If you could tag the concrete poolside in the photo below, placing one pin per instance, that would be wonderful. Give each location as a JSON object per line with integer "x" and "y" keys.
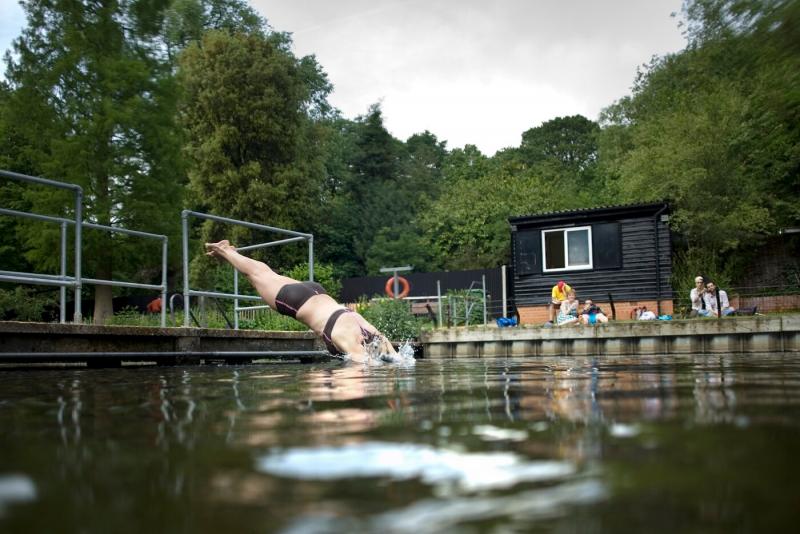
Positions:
{"x": 104, "y": 346}
{"x": 758, "y": 334}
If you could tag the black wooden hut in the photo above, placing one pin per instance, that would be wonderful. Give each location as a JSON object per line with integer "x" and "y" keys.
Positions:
{"x": 624, "y": 251}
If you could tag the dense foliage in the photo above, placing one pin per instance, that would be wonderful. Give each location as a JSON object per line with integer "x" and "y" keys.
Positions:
{"x": 393, "y": 317}
{"x": 156, "y": 105}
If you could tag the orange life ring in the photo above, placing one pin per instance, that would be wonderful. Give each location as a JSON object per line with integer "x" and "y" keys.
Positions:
{"x": 389, "y": 288}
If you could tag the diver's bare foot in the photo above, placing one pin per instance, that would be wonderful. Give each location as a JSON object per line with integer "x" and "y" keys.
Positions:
{"x": 218, "y": 250}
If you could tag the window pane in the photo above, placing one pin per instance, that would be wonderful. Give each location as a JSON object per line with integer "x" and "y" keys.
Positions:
{"x": 578, "y": 247}
{"x": 554, "y": 250}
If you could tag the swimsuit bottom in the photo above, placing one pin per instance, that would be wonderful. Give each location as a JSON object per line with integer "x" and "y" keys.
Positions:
{"x": 292, "y": 296}
{"x": 328, "y": 330}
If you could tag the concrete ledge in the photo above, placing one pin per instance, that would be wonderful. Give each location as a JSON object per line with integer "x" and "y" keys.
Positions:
{"x": 696, "y": 336}
{"x": 18, "y": 337}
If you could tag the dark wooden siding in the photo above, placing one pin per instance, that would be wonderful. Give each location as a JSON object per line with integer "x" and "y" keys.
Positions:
{"x": 635, "y": 280}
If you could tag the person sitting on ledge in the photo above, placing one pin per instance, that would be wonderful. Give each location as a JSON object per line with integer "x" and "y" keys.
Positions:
{"x": 696, "y": 295}
{"x": 641, "y": 313}
{"x": 592, "y": 314}
{"x": 710, "y": 298}
{"x": 568, "y": 313}
{"x": 344, "y": 332}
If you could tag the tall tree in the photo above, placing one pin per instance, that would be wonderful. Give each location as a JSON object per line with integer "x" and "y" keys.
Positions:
{"x": 467, "y": 226}
{"x": 371, "y": 197}
{"x": 569, "y": 141}
{"x": 93, "y": 107}
{"x": 252, "y": 143}
{"x": 714, "y": 127}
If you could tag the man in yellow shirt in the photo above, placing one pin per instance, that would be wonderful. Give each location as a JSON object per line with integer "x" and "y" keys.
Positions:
{"x": 557, "y": 296}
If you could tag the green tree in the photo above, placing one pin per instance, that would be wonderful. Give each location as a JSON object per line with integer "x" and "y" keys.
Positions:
{"x": 423, "y": 169}
{"x": 568, "y": 141}
{"x": 185, "y": 21}
{"x": 370, "y": 194}
{"x": 400, "y": 245}
{"x": 465, "y": 163}
{"x": 252, "y": 143}
{"x": 92, "y": 105}
{"x": 399, "y": 241}
{"x": 467, "y": 227}
{"x": 713, "y": 128}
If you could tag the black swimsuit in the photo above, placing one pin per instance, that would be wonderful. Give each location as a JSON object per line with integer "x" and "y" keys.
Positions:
{"x": 292, "y": 296}
{"x": 328, "y": 330}
{"x": 326, "y": 333}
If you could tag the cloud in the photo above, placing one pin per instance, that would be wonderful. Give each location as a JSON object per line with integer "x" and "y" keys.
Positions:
{"x": 470, "y": 71}
{"x": 473, "y": 71}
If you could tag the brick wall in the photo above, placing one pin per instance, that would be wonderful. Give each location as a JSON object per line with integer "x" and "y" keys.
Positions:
{"x": 538, "y": 314}
{"x": 772, "y": 303}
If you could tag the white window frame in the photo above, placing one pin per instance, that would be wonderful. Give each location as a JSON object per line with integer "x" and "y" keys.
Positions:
{"x": 567, "y": 267}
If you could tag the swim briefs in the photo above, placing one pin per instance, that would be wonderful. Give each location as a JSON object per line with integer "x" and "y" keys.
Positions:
{"x": 292, "y": 296}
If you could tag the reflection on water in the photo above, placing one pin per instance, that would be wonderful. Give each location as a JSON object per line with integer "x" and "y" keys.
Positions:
{"x": 15, "y": 489}
{"x": 604, "y": 444}
{"x": 440, "y": 467}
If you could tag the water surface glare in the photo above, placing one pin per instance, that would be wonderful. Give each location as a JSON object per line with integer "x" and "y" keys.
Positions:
{"x": 609, "y": 444}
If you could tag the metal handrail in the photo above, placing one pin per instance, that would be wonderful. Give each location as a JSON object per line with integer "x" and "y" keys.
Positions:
{"x": 77, "y": 281}
{"x": 188, "y": 292}
{"x": 77, "y": 316}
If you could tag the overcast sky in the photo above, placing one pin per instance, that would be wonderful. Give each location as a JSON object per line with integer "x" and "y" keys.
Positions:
{"x": 470, "y": 71}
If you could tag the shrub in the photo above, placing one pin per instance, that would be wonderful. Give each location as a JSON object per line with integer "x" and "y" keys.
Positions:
{"x": 393, "y": 317}
{"x": 688, "y": 264}
{"x": 323, "y": 274}
{"x": 271, "y": 320}
{"x": 459, "y": 302}
{"x": 28, "y": 304}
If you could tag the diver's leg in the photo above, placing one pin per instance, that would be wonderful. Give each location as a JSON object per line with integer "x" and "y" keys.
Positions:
{"x": 266, "y": 281}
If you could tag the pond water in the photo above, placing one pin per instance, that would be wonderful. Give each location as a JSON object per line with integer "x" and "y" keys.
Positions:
{"x": 671, "y": 444}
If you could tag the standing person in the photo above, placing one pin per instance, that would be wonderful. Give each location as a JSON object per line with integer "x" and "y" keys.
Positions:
{"x": 710, "y": 297}
{"x": 344, "y": 331}
{"x": 568, "y": 313}
{"x": 557, "y": 295}
{"x": 696, "y": 295}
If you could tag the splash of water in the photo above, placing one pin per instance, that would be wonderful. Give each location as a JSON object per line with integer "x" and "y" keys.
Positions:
{"x": 377, "y": 355}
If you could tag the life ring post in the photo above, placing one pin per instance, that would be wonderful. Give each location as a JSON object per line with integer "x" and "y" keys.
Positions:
{"x": 392, "y": 287}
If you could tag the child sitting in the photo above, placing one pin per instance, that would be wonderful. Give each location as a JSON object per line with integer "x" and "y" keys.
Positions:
{"x": 592, "y": 314}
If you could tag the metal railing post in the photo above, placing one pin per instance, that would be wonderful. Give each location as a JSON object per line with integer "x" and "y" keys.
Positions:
{"x": 483, "y": 282}
{"x": 235, "y": 301}
{"x": 311, "y": 258}
{"x": 78, "y": 317}
{"x": 164, "y": 249}
{"x": 185, "y": 246}
{"x": 439, "y": 299}
{"x": 503, "y": 283}
{"x": 62, "y": 311}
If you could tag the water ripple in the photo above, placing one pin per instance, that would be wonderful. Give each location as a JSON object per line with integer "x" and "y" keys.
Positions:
{"x": 403, "y": 461}
{"x": 15, "y": 489}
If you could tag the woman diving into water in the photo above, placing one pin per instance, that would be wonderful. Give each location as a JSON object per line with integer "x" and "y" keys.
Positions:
{"x": 343, "y": 331}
